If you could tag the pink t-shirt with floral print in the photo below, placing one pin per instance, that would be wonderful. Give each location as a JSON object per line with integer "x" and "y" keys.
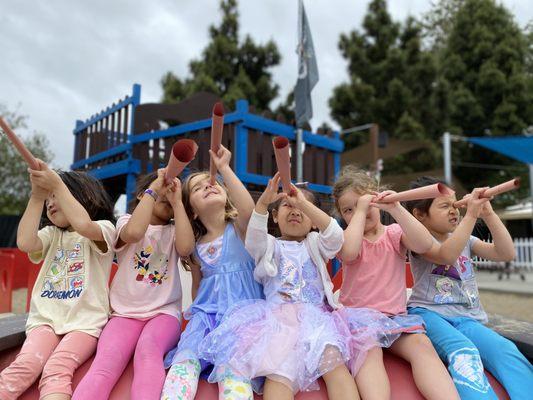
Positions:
{"x": 147, "y": 282}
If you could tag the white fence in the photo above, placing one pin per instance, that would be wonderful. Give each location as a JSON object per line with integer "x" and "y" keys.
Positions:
{"x": 522, "y": 261}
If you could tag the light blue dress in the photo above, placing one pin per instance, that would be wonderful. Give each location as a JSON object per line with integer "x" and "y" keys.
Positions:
{"x": 224, "y": 284}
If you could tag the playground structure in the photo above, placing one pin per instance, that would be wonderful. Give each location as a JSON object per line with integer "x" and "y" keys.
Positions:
{"x": 126, "y": 140}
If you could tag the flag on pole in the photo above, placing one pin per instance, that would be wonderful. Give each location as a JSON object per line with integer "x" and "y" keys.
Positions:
{"x": 307, "y": 69}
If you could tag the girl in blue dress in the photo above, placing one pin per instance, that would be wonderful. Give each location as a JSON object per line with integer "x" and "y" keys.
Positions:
{"x": 222, "y": 274}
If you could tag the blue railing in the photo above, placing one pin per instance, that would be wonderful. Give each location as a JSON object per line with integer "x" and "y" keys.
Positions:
{"x": 241, "y": 118}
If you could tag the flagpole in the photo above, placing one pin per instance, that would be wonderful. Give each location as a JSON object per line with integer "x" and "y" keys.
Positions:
{"x": 299, "y": 131}
{"x": 299, "y": 155}
{"x": 307, "y": 79}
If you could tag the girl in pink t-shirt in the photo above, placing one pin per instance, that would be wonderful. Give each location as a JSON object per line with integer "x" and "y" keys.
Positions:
{"x": 145, "y": 295}
{"x": 373, "y": 257}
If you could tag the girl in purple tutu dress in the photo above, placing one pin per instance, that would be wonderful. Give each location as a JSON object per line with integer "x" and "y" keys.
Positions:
{"x": 373, "y": 257}
{"x": 292, "y": 338}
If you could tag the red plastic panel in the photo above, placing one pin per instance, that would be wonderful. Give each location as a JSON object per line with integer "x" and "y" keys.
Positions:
{"x": 7, "y": 271}
{"x": 399, "y": 371}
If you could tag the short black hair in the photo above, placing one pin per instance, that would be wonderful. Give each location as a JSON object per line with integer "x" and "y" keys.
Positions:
{"x": 89, "y": 192}
{"x": 143, "y": 183}
{"x": 309, "y": 195}
{"x": 424, "y": 204}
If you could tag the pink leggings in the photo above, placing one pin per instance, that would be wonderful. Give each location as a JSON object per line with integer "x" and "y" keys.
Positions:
{"x": 57, "y": 357}
{"x": 121, "y": 337}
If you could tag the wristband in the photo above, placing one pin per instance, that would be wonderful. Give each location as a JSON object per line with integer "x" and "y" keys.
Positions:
{"x": 150, "y": 192}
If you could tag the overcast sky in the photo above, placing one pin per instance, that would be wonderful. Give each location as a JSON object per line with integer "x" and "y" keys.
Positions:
{"x": 64, "y": 60}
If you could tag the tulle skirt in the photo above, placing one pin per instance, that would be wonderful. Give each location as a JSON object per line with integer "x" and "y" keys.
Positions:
{"x": 370, "y": 328}
{"x": 293, "y": 343}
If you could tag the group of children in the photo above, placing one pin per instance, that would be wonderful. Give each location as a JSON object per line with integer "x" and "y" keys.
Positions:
{"x": 264, "y": 317}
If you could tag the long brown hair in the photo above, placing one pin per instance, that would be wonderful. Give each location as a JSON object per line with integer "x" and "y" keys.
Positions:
{"x": 198, "y": 228}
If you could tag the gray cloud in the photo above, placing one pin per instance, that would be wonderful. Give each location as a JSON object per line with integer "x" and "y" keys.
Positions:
{"x": 65, "y": 60}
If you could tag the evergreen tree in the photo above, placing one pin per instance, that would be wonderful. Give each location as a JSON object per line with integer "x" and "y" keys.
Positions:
{"x": 228, "y": 67}
{"x": 485, "y": 64}
{"x": 393, "y": 82}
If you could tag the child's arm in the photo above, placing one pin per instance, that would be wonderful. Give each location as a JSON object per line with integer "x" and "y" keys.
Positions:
{"x": 27, "y": 239}
{"x": 353, "y": 235}
{"x": 318, "y": 217}
{"x": 184, "y": 236}
{"x": 331, "y": 236}
{"x": 257, "y": 240}
{"x": 503, "y": 248}
{"x": 415, "y": 236}
{"x": 257, "y": 233}
{"x": 76, "y": 214}
{"x": 236, "y": 190}
{"x": 447, "y": 252}
{"x": 135, "y": 228}
{"x": 196, "y": 274}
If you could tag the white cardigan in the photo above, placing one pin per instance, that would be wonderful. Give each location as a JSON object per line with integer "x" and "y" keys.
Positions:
{"x": 322, "y": 246}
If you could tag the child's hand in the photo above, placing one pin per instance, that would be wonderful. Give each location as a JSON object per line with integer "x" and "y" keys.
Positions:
{"x": 296, "y": 197}
{"x": 38, "y": 192}
{"x": 474, "y": 203}
{"x": 46, "y": 178}
{"x": 174, "y": 193}
{"x": 486, "y": 210}
{"x": 365, "y": 201}
{"x": 222, "y": 158}
{"x": 271, "y": 195}
{"x": 159, "y": 185}
{"x": 384, "y": 206}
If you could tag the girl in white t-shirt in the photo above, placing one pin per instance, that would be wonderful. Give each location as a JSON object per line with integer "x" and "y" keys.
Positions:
{"x": 146, "y": 293}
{"x": 69, "y": 303}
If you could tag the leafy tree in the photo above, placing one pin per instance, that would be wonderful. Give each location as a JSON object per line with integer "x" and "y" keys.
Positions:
{"x": 15, "y": 187}
{"x": 393, "y": 82}
{"x": 228, "y": 67}
{"x": 438, "y": 21}
{"x": 486, "y": 62}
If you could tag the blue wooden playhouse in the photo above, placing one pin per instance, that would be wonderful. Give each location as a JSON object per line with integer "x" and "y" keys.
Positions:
{"x": 129, "y": 138}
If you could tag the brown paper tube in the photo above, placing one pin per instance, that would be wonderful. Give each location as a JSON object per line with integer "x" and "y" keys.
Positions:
{"x": 493, "y": 191}
{"x": 283, "y": 160}
{"x": 183, "y": 152}
{"x": 217, "y": 128}
{"x": 22, "y": 149}
{"x": 425, "y": 192}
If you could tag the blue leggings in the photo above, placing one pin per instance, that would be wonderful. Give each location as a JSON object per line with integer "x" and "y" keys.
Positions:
{"x": 467, "y": 346}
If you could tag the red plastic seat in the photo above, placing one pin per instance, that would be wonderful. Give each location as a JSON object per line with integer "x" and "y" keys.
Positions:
{"x": 7, "y": 271}
{"x": 398, "y": 370}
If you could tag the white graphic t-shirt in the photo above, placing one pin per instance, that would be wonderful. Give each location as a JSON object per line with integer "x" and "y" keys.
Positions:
{"x": 71, "y": 291}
